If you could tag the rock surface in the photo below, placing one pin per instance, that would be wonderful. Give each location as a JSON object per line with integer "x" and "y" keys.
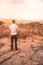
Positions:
{"x": 27, "y": 54}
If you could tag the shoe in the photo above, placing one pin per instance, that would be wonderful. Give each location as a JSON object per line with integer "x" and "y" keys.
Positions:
{"x": 16, "y": 49}
{"x": 11, "y": 49}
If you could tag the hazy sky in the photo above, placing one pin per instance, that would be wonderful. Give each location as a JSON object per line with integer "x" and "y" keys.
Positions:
{"x": 21, "y": 9}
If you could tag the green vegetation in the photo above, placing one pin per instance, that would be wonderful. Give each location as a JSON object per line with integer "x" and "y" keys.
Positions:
{"x": 31, "y": 29}
{"x": 28, "y": 30}
{"x": 3, "y": 29}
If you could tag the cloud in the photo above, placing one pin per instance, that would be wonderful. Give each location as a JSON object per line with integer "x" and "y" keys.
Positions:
{"x": 16, "y": 1}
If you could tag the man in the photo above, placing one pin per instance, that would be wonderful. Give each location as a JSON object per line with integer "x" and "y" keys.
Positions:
{"x": 13, "y": 29}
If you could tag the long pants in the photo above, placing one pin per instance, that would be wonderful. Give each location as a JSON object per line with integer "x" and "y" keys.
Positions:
{"x": 13, "y": 37}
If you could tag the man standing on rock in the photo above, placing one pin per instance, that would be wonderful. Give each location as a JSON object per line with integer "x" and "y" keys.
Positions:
{"x": 14, "y": 30}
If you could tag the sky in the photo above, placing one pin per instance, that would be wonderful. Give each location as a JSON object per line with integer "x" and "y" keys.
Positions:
{"x": 21, "y": 9}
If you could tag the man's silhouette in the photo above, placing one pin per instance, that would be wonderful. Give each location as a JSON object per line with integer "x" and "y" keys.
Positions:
{"x": 13, "y": 28}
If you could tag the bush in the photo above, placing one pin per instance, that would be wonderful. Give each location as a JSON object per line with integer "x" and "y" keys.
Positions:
{"x": 27, "y": 30}
{"x": 1, "y": 23}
